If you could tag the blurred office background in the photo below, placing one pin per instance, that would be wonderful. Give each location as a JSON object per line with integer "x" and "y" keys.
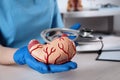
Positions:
{"x": 95, "y": 23}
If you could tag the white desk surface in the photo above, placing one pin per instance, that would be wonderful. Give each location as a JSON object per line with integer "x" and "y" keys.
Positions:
{"x": 88, "y": 69}
{"x": 93, "y": 13}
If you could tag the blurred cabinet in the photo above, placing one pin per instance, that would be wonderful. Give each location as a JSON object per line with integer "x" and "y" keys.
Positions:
{"x": 93, "y": 16}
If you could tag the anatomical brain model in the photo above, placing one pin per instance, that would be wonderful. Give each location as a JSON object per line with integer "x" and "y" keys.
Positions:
{"x": 58, "y": 51}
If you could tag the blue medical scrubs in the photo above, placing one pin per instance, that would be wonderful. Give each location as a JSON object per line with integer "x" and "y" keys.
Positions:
{"x": 23, "y": 20}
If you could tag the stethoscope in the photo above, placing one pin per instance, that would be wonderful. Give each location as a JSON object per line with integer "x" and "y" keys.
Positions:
{"x": 75, "y": 35}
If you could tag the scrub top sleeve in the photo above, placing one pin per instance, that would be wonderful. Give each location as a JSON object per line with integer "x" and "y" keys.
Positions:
{"x": 2, "y": 40}
{"x": 57, "y": 19}
{"x": 0, "y": 37}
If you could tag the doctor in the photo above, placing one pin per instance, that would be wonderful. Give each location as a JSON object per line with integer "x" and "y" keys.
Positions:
{"x": 21, "y": 21}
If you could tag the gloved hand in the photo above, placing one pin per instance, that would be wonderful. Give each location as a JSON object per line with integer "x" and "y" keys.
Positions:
{"x": 22, "y": 56}
{"x": 75, "y": 27}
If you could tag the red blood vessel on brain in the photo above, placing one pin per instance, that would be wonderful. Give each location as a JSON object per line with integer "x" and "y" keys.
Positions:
{"x": 58, "y": 51}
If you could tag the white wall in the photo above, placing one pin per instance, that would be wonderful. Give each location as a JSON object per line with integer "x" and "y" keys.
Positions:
{"x": 86, "y": 4}
{"x": 62, "y": 5}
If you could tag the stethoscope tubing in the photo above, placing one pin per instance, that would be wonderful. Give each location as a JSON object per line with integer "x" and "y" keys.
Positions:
{"x": 67, "y": 30}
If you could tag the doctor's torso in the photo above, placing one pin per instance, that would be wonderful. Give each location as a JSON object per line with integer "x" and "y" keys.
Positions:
{"x": 23, "y": 20}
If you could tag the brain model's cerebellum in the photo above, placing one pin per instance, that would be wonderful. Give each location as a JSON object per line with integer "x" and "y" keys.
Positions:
{"x": 58, "y": 51}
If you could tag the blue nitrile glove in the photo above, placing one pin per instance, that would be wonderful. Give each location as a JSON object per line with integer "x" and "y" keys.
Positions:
{"x": 75, "y": 27}
{"x": 22, "y": 56}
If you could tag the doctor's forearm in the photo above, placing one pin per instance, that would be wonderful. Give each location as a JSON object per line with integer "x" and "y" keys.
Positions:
{"x": 6, "y": 55}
